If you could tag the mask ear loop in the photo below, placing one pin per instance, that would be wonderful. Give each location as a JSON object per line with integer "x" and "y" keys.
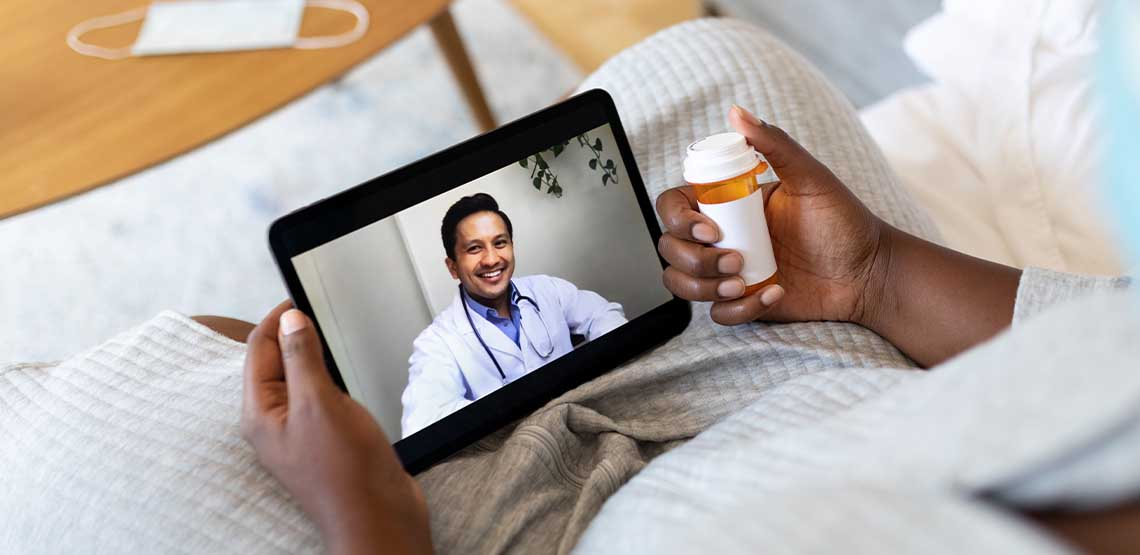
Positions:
{"x": 351, "y": 6}
{"x": 103, "y": 22}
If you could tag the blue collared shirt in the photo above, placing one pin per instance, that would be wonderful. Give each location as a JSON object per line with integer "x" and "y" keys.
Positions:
{"x": 509, "y": 326}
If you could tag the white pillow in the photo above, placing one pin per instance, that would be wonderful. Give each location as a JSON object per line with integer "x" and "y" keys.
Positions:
{"x": 1003, "y": 147}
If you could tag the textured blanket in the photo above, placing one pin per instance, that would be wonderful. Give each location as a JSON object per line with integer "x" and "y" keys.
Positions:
{"x": 134, "y": 445}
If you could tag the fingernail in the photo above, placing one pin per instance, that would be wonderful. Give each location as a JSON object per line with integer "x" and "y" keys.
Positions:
{"x": 704, "y": 233}
{"x": 771, "y": 295}
{"x": 730, "y": 288}
{"x": 747, "y": 116}
{"x": 730, "y": 263}
{"x": 292, "y": 321}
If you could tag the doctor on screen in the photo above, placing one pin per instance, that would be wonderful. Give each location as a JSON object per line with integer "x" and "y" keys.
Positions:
{"x": 497, "y": 329}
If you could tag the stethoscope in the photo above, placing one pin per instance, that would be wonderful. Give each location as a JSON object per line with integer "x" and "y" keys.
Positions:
{"x": 517, "y": 298}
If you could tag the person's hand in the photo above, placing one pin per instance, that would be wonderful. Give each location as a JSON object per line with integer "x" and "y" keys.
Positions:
{"x": 827, "y": 245}
{"x": 324, "y": 447}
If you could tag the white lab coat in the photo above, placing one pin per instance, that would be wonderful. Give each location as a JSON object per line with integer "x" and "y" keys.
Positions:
{"x": 449, "y": 369}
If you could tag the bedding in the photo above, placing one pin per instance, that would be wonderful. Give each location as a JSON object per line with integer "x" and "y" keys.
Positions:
{"x": 1002, "y": 148}
{"x": 133, "y": 446}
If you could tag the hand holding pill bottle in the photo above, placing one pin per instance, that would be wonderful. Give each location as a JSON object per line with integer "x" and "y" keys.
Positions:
{"x": 726, "y": 174}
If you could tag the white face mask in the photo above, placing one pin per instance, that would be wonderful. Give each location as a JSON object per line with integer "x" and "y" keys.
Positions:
{"x": 190, "y": 26}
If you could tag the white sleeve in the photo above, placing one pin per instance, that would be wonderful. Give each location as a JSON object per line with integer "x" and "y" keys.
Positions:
{"x": 435, "y": 384}
{"x": 586, "y": 312}
{"x": 1040, "y": 289}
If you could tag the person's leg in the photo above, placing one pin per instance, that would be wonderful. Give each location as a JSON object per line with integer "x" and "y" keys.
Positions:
{"x": 232, "y": 328}
{"x": 671, "y": 89}
{"x": 677, "y": 87}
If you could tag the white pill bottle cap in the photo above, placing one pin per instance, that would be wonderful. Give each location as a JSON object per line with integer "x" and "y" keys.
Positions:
{"x": 719, "y": 157}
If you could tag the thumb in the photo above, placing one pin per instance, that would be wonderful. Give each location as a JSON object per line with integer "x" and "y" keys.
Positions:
{"x": 305, "y": 371}
{"x": 797, "y": 169}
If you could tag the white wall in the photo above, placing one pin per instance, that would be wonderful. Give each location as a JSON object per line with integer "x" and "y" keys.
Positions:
{"x": 376, "y": 289}
{"x": 368, "y": 302}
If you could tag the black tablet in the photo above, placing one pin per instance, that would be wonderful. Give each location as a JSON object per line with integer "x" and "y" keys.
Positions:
{"x": 463, "y": 291}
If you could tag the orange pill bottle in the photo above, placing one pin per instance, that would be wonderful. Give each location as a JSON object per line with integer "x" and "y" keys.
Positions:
{"x": 727, "y": 173}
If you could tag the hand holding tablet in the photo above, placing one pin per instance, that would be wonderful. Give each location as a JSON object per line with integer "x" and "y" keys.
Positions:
{"x": 467, "y": 289}
{"x": 324, "y": 447}
{"x": 501, "y": 319}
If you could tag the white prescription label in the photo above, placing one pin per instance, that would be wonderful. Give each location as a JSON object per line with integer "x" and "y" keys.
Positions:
{"x": 743, "y": 228}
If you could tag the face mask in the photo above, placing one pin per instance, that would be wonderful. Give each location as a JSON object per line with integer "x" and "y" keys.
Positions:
{"x": 192, "y": 26}
{"x": 1120, "y": 88}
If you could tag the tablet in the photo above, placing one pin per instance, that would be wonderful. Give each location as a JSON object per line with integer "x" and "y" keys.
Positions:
{"x": 463, "y": 291}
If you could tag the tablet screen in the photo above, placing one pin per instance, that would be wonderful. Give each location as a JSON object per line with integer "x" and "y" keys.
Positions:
{"x": 436, "y": 306}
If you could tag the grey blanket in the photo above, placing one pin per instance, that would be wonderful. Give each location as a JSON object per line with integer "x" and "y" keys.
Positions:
{"x": 134, "y": 445}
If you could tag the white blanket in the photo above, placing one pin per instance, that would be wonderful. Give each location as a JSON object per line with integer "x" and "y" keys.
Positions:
{"x": 1002, "y": 148}
{"x": 133, "y": 445}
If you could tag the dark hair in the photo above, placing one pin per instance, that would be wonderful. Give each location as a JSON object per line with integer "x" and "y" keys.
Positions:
{"x": 466, "y": 206}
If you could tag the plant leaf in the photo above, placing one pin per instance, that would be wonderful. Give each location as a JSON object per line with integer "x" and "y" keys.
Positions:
{"x": 522, "y": 162}
{"x": 538, "y": 183}
{"x": 605, "y": 179}
{"x": 593, "y": 163}
{"x": 597, "y": 144}
{"x": 610, "y": 163}
{"x": 541, "y": 163}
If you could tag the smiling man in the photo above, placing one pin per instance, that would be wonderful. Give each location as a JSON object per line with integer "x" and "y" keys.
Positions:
{"x": 498, "y": 328}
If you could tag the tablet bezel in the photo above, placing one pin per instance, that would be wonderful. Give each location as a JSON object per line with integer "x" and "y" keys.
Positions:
{"x": 345, "y": 212}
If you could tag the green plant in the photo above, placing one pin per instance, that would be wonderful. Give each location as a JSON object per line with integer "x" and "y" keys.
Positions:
{"x": 541, "y": 175}
{"x": 609, "y": 169}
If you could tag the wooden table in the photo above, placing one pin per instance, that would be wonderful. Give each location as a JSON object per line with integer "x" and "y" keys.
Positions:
{"x": 69, "y": 123}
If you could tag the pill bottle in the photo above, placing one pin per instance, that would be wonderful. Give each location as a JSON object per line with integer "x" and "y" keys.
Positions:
{"x": 726, "y": 173}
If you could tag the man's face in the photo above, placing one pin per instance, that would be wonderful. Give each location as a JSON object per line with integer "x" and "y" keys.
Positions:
{"x": 484, "y": 256}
